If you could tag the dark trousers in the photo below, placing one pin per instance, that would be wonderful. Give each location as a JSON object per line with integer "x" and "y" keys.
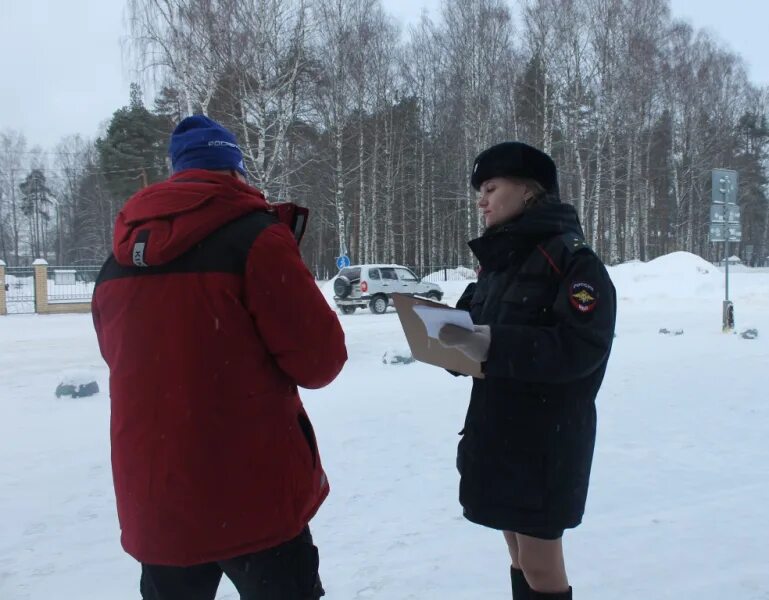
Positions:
{"x": 285, "y": 572}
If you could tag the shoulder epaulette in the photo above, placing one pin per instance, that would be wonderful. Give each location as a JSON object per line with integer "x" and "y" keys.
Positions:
{"x": 574, "y": 242}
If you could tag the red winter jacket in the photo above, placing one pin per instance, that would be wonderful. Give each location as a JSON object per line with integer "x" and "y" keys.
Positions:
{"x": 213, "y": 455}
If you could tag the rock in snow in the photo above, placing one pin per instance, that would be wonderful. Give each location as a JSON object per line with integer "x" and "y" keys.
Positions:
{"x": 77, "y": 384}
{"x": 665, "y": 331}
{"x": 397, "y": 357}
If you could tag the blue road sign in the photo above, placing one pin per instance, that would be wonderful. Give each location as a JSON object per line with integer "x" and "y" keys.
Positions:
{"x": 342, "y": 262}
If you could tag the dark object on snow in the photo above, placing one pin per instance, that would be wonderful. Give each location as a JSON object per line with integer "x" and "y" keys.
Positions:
{"x": 750, "y": 334}
{"x": 665, "y": 331}
{"x": 82, "y": 390}
{"x": 728, "y": 317}
{"x": 394, "y": 358}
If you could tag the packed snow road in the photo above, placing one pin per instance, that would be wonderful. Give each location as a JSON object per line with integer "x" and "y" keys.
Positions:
{"x": 680, "y": 485}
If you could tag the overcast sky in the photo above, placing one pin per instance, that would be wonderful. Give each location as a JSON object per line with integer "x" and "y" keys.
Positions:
{"x": 62, "y": 69}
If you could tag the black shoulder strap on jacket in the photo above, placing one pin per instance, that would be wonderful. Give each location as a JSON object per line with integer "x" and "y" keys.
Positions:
{"x": 225, "y": 251}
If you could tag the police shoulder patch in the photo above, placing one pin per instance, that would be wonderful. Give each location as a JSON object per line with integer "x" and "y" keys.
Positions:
{"x": 583, "y": 296}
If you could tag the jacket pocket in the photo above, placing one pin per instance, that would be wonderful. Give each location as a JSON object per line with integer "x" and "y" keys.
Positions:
{"x": 530, "y": 303}
{"x": 309, "y": 436}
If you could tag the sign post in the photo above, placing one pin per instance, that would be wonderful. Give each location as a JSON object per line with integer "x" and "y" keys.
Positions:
{"x": 725, "y": 227}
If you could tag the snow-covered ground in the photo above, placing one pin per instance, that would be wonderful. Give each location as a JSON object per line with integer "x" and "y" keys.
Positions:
{"x": 680, "y": 487}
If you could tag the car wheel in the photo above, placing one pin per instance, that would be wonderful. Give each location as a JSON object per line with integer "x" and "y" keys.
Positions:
{"x": 434, "y": 296}
{"x": 347, "y": 310}
{"x": 378, "y": 305}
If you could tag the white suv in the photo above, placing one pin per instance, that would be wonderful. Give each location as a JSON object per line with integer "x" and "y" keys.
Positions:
{"x": 371, "y": 285}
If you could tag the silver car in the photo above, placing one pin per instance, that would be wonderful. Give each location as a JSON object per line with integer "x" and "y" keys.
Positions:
{"x": 360, "y": 286}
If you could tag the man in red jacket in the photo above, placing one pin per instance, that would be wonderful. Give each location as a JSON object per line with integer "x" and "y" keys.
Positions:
{"x": 209, "y": 320}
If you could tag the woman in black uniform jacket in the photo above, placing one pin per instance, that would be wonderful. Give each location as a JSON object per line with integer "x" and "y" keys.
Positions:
{"x": 544, "y": 312}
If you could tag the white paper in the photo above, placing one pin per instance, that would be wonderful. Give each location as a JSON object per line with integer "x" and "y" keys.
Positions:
{"x": 435, "y": 318}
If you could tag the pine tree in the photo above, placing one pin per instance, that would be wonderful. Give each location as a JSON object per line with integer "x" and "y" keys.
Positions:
{"x": 170, "y": 104}
{"x": 750, "y": 157}
{"x": 36, "y": 205}
{"x": 133, "y": 153}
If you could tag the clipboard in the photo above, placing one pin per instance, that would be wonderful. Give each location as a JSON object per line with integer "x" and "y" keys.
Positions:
{"x": 426, "y": 349}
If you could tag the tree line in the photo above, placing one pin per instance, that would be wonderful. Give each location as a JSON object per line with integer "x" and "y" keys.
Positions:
{"x": 375, "y": 128}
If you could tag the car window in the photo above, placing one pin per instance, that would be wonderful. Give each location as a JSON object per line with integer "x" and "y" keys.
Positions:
{"x": 406, "y": 275}
{"x": 373, "y": 274}
{"x": 352, "y": 273}
{"x": 388, "y": 273}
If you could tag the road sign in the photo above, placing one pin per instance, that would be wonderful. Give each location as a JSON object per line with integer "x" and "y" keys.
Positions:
{"x": 721, "y": 232}
{"x": 725, "y": 214}
{"x": 717, "y": 233}
{"x": 735, "y": 233}
{"x": 724, "y": 186}
{"x": 342, "y": 262}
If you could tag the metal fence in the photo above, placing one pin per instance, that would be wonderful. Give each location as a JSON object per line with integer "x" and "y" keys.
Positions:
{"x": 432, "y": 273}
{"x": 439, "y": 273}
{"x": 71, "y": 284}
{"x": 20, "y": 290}
{"x": 75, "y": 284}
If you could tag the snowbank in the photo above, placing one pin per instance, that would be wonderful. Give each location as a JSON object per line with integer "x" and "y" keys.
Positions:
{"x": 676, "y": 275}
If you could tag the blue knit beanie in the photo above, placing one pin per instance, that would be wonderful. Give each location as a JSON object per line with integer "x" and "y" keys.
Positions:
{"x": 201, "y": 143}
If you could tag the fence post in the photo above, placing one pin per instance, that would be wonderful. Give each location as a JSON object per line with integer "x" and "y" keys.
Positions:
{"x": 41, "y": 285}
{"x": 3, "y": 303}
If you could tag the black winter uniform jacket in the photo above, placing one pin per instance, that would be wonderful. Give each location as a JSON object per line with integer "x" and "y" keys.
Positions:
{"x": 527, "y": 444}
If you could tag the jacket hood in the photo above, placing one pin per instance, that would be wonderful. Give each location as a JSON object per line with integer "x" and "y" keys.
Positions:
{"x": 544, "y": 220}
{"x": 164, "y": 220}
{"x": 535, "y": 225}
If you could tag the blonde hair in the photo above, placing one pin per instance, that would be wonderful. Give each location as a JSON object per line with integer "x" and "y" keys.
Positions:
{"x": 538, "y": 192}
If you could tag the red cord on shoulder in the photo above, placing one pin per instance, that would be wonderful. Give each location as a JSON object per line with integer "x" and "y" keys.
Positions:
{"x": 549, "y": 259}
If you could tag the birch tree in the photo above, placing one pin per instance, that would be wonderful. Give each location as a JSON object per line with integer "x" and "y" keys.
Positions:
{"x": 13, "y": 147}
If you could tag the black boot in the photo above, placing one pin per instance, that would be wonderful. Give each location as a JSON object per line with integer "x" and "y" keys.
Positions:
{"x": 521, "y": 589}
{"x": 533, "y": 595}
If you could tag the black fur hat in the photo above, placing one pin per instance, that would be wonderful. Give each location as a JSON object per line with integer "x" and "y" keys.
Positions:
{"x": 516, "y": 159}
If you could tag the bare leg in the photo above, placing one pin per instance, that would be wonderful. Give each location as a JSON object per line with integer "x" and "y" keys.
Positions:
{"x": 512, "y": 547}
{"x": 542, "y": 563}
